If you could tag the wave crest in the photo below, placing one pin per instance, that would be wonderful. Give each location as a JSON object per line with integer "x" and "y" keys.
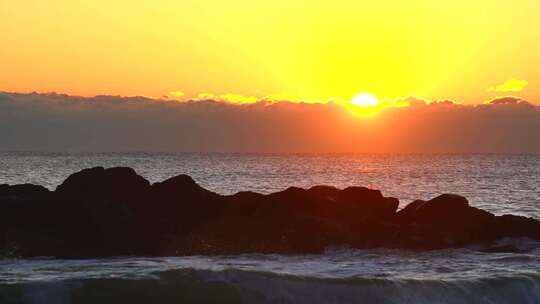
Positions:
{"x": 238, "y": 286}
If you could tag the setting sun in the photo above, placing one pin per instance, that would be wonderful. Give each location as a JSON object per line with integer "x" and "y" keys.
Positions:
{"x": 365, "y": 105}
{"x": 365, "y": 100}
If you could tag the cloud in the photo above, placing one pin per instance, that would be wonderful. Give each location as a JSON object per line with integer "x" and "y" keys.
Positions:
{"x": 508, "y": 100}
{"x": 245, "y": 99}
{"x": 176, "y": 94}
{"x": 407, "y": 101}
{"x": 57, "y": 122}
{"x": 414, "y": 101}
{"x": 511, "y": 85}
{"x": 239, "y": 99}
{"x": 228, "y": 98}
{"x": 205, "y": 96}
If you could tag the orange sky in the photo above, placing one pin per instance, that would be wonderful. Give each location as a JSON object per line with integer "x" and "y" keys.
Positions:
{"x": 469, "y": 51}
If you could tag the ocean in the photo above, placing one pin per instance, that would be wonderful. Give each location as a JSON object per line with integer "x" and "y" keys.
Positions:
{"x": 500, "y": 184}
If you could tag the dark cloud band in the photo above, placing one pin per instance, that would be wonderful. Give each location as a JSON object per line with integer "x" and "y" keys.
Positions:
{"x": 54, "y": 122}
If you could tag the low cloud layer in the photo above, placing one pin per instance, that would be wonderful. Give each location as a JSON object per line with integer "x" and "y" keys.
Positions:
{"x": 53, "y": 122}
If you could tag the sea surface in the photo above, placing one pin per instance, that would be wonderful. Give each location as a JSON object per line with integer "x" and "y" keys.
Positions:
{"x": 498, "y": 183}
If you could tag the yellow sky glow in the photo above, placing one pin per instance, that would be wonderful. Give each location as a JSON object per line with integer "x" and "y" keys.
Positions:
{"x": 245, "y": 50}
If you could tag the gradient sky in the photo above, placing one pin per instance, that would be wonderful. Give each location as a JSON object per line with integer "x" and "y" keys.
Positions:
{"x": 469, "y": 51}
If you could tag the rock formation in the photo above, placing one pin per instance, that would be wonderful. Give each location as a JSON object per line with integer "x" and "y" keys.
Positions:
{"x": 110, "y": 212}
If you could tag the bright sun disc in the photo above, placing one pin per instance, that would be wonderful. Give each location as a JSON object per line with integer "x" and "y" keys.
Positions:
{"x": 365, "y": 100}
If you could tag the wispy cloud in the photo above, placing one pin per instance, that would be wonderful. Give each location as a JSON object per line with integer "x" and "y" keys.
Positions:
{"x": 511, "y": 85}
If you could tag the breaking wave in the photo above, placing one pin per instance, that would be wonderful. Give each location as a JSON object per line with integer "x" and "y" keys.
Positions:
{"x": 240, "y": 286}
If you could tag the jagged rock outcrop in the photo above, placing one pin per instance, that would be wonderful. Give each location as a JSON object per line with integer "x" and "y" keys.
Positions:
{"x": 106, "y": 212}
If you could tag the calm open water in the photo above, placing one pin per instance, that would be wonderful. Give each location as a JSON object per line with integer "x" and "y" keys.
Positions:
{"x": 498, "y": 183}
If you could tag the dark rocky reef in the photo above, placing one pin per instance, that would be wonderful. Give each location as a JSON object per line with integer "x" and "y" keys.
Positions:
{"x": 109, "y": 212}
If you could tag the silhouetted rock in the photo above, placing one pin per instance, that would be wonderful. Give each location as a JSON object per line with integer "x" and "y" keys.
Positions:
{"x": 22, "y": 192}
{"x": 103, "y": 183}
{"x": 106, "y": 212}
{"x": 515, "y": 226}
{"x": 445, "y": 221}
{"x": 174, "y": 208}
